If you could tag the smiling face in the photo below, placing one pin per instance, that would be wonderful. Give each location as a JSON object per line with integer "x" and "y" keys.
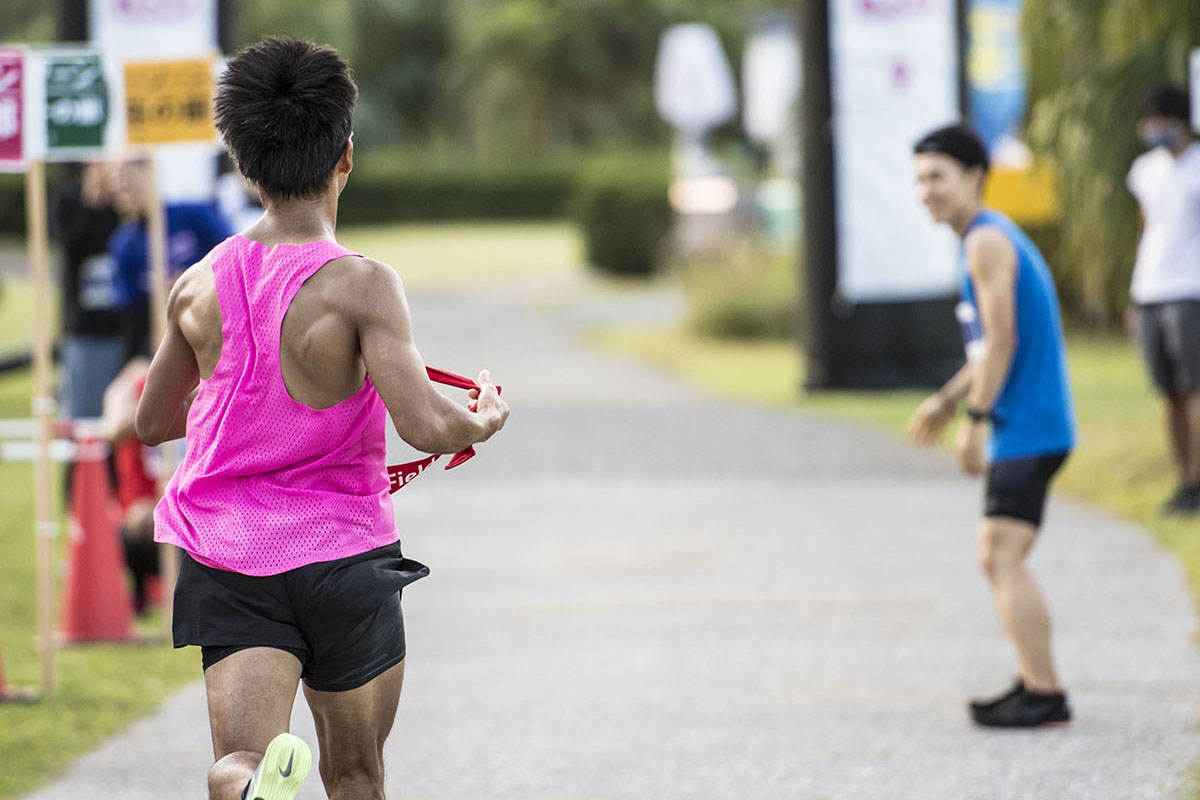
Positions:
{"x": 949, "y": 191}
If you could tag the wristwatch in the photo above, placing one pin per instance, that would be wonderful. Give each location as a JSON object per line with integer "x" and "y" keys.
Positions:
{"x": 978, "y": 414}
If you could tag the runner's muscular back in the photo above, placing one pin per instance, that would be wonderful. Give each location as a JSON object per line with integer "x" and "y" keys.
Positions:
{"x": 318, "y": 353}
{"x": 347, "y": 320}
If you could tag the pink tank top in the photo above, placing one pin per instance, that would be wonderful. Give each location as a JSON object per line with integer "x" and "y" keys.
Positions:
{"x": 269, "y": 484}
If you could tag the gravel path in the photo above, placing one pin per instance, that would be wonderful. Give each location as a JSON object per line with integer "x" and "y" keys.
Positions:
{"x": 646, "y": 592}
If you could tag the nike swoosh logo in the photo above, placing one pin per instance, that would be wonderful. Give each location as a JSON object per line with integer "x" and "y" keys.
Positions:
{"x": 288, "y": 771}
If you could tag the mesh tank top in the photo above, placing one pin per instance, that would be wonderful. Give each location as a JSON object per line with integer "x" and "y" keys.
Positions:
{"x": 269, "y": 484}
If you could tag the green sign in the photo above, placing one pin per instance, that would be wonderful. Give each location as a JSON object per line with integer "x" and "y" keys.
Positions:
{"x": 76, "y": 102}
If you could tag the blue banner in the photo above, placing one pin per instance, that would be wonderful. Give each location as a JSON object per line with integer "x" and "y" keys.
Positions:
{"x": 995, "y": 72}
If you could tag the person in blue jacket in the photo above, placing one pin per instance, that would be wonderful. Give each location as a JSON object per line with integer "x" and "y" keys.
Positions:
{"x": 192, "y": 230}
{"x": 1015, "y": 383}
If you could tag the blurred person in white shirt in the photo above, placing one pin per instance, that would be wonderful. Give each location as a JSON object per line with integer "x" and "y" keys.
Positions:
{"x": 1166, "y": 277}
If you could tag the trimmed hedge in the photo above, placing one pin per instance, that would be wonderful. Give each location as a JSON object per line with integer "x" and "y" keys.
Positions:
{"x": 411, "y": 192}
{"x": 620, "y": 202}
{"x": 426, "y": 193}
{"x": 621, "y": 206}
{"x": 12, "y": 204}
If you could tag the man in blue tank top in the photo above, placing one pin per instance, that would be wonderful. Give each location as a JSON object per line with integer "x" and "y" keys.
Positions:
{"x": 1015, "y": 383}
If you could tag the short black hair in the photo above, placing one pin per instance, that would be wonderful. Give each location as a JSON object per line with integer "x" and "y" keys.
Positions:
{"x": 284, "y": 108}
{"x": 957, "y": 141}
{"x": 1168, "y": 101}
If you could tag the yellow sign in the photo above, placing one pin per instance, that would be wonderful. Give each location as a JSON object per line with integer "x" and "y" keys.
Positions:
{"x": 169, "y": 101}
{"x": 1029, "y": 196}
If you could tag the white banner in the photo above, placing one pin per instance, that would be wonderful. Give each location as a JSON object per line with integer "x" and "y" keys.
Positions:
{"x": 135, "y": 30}
{"x": 894, "y": 77}
{"x": 147, "y": 29}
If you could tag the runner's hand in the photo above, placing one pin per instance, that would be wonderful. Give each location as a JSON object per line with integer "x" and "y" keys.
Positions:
{"x": 929, "y": 420}
{"x": 489, "y": 402}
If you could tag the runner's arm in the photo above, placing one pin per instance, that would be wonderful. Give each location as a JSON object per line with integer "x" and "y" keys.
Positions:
{"x": 174, "y": 374}
{"x": 992, "y": 262}
{"x": 423, "y": 417}
{"x": 955, "y": 389}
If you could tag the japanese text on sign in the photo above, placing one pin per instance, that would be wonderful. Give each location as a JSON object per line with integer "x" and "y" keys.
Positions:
{"x": 169, "y": 101}
{"x": 76, "y": 102}
{"x": 11, "y": 112}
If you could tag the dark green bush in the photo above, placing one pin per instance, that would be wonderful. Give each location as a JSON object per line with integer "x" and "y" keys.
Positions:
{"x": 408, "y": 191}
{"x": 404, "y": 192}
{"x": 620, "y": 204}
{"x": 12, "y": 204}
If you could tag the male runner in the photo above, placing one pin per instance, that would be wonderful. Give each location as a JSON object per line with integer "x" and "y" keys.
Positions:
{"x": 1015, "y": 381}
{"x": 301, "y": 351}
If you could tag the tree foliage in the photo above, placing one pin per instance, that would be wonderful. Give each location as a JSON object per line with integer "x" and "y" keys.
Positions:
{"x": 542, "y": 72}
{"x": 1090, "y": 63}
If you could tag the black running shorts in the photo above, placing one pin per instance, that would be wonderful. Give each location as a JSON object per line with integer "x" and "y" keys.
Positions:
{"x": 1017, "y": 487}
{"x": 340, "y": 618}
{"x": 1169, "y": 337}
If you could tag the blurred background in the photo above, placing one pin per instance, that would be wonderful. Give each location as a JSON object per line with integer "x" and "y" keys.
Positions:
{"x": 545, "y": 110}
{"x": 570, "y": 141}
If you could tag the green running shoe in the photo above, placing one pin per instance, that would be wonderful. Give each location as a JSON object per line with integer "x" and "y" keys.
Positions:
{"x": 284, "y": 767}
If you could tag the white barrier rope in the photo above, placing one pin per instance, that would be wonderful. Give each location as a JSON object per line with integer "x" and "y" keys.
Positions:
{"x": 87, "y": 428}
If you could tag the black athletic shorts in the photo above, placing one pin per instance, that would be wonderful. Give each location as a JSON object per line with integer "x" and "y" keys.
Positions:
{"x": 340, "y": 618}
{"x": 1017, "y": 487}
{"x": 1169, "y": 337}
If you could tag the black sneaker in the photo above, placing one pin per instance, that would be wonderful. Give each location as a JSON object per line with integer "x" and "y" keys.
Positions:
{"x": 985, "y": 705}
{"x": 1185, "y": 501}
{"x": 1026, "y": 710}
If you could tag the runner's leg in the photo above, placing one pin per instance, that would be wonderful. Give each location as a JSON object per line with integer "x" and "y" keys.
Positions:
{"x": 351, "y": 729}
{"x": 1004, "y": 543}
{"x": 250, "y": 698}
{"x": 1178, "y": 433}
{"x": 1191, "y": 413}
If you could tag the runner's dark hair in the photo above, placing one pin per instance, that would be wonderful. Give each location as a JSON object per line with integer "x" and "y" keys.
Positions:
{"x": 959, "y": 142}
{"x": 1167, "y": 101}
{"x": 284, "y": 108}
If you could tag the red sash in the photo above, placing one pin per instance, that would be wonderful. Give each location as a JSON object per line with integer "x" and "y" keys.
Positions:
{"x": 401, "y": 474}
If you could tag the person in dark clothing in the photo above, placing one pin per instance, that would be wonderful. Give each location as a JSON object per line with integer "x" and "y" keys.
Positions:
{"x": 85, "y": 218}
{"x": 192, "y": 230}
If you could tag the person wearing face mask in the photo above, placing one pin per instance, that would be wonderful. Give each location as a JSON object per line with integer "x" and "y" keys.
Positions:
{"x": 1166, "y": 277}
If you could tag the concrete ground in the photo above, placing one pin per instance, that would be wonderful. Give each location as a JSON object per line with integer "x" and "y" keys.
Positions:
{"x": 640, "y": 591}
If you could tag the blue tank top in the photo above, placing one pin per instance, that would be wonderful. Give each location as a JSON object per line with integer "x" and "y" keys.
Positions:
{"x": 1033, "y": 413}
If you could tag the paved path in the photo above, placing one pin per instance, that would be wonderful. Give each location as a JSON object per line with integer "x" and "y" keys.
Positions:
{"x": 646, "y": 593}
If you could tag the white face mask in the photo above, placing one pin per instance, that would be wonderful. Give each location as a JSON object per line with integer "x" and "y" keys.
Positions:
{"x": 1168, "y": 136}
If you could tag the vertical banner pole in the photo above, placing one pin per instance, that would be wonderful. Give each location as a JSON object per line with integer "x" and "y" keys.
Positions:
{"x": 819, "y": 254}
{"x": 46, "y": 529}
{"x": 156, "y": 233}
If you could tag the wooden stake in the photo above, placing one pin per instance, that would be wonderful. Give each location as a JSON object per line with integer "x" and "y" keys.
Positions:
{"x": 156, "y": 233}
{"x": 45, "y": 526}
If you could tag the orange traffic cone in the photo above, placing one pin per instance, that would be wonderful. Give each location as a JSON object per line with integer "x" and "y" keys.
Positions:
{"x": 96, "y": 601}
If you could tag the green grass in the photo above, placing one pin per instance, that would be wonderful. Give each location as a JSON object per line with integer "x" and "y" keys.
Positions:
{"x": 1121, "y": 463}
{"x": 102, "y": 688}
{"x": 16, "y": 315}
{"x": 454, "y": 255}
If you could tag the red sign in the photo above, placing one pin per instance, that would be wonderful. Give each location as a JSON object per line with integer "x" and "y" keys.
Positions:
{"x": 12, "y": 68}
